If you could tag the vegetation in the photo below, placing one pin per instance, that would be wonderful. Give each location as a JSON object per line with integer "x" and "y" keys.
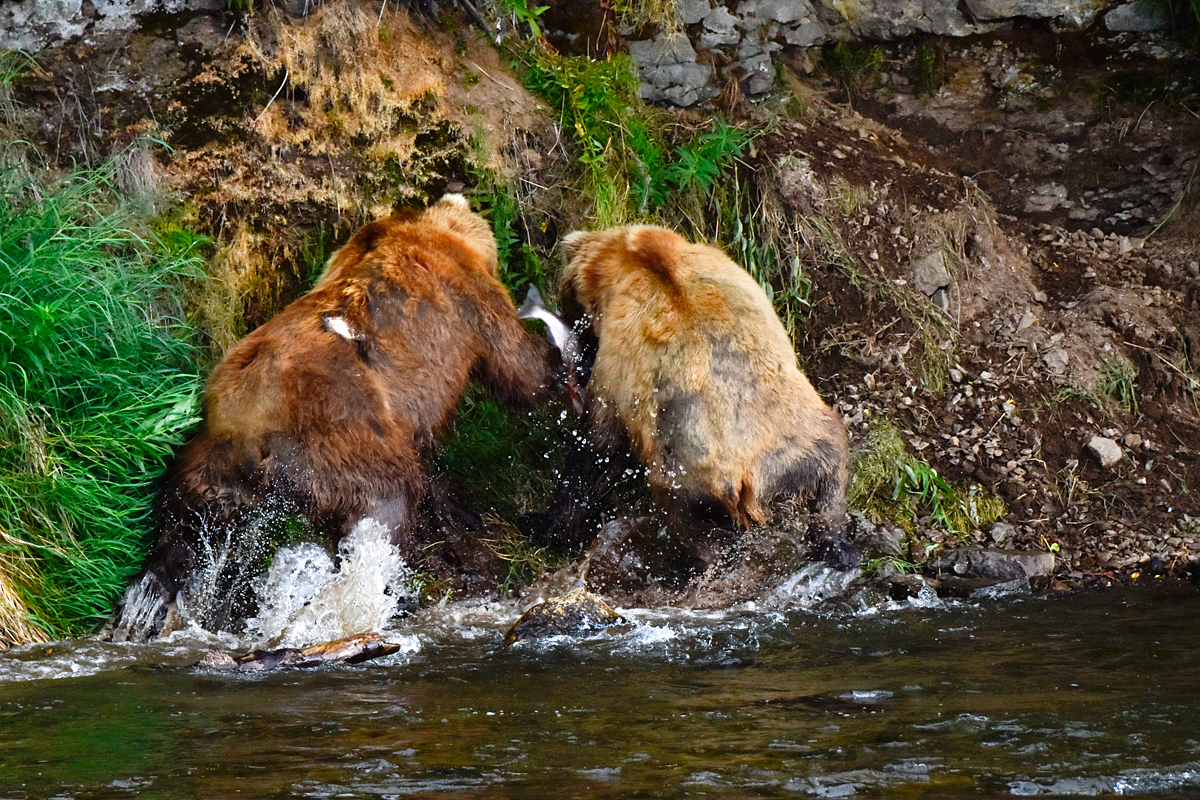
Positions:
{"x": 853, "y": 64}
{"x": 1115, "y": 388}
{"x": 97, "y": 387}
{"x": 521, "y": 13}
{"x": 889, "y": 483}
{"x": 927, "y": 70}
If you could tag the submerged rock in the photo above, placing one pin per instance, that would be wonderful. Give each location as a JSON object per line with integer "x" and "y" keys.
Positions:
{"x": 988, "y": 567}
{"x": 351, "y": 650}
{"x": 577, "y": 613}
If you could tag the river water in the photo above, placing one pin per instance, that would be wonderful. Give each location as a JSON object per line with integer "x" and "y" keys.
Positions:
{"x": 1080, "y": 694}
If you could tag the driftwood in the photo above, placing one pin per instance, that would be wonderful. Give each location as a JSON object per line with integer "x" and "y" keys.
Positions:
{"x": 351, "y": 650}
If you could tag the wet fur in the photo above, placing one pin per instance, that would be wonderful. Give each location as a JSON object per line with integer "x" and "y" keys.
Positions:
{"x": 330, "y": 405}
{"x": 695, "y": 368}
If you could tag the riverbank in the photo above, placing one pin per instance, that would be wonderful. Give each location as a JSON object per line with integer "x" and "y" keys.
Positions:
{"x": 1001, "y": 266}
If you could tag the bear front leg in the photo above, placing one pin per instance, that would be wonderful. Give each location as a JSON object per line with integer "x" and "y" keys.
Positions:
{"x": 829, "y": 529}
{"x": 148, "y": 601}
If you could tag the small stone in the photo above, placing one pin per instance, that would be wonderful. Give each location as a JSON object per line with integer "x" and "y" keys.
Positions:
{"x": 1107, "y": 452}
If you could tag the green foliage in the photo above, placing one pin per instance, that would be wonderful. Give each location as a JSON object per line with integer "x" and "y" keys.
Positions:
{"x": 97, "y": 387}
{"x": 1115, "y": 386}
{"x": 525, "y": 562}
{"x": 853, "y": 64}
{"x": 927, "y": 70}
{"x": 519, "y": 262}
{"x": 499, "y": 461}
{"x": 753, "y": 241}
{"x": 1184, "y": 16}
{"x": 598, "y": 104}
{"x": 890, "y": 483}
{"x": 522, "y": 13}
{"x": 700, "y": 162}
{"x": 1117, "y": 382}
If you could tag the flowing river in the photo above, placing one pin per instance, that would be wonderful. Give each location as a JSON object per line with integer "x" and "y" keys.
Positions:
{"x": 1080, "y": 694}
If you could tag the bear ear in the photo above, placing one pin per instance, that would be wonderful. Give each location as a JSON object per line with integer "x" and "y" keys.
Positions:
{"x": 574, "y": 242}
{"x": 455, "y": 199}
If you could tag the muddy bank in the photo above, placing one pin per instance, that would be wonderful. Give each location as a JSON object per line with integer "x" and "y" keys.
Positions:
{"x": 986, "y": 264}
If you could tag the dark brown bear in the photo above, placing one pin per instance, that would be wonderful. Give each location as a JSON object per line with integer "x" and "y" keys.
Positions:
{"x": 329, "y": 406}
{"x": 694, "y": 366}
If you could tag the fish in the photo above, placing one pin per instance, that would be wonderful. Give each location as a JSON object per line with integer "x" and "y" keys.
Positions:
{"x": 568, "y": 341}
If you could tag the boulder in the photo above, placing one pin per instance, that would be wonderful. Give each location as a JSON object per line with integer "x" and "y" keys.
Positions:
{"x": 577, "y": 613}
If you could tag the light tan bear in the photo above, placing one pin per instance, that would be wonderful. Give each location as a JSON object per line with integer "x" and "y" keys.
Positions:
{"x": 693, "y": 364}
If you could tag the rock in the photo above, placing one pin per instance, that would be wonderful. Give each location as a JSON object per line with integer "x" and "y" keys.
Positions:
{"x": 351, "y": 650}
{"x": 1137, "y": 17}
{"x": 1106, "y": 451}
{"x": 930, "y": 273}
{"x": 982, "y": 566}
{"x": 1069, "y": 13}
{"x": 669, "y": 70}
{"x": 1046, "y": 197}
{"x": 784, "y": 11}
{"x": 577, "y": 613}
{"x": 1056, "y": 359}
{"x": 692, "y": 11}
{"x": 1001, "y": 532}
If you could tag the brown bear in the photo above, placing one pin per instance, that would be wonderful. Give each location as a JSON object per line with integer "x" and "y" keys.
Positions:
{"x": 329, "y": 406}
{"x": 692, "y": 364}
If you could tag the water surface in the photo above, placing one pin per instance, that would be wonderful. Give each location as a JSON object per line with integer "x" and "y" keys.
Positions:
{"x": 1087, "y": 694}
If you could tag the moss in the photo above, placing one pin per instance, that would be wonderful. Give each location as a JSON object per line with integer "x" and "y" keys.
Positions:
{"x": 890, "y": 484}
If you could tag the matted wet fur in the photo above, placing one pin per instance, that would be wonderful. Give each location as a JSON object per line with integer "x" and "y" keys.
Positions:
{"x": 329, "y": 406}
{"x": 694, "y": 367}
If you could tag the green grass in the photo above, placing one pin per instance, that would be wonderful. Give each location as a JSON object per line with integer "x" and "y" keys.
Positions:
{"x": 890, "y": 484}
{"x": 97, "y": 387}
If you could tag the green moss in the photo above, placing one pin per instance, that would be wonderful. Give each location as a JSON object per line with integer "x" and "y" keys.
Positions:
{"x": 890, "y": 484}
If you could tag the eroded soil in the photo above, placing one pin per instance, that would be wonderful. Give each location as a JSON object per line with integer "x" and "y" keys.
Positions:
{"x": 990, "y": 253}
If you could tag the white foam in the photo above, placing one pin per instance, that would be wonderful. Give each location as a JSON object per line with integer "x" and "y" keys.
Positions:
{"x": 305, "y": 600}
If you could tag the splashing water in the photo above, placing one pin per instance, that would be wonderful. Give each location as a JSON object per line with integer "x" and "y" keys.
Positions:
{"x": 305, "y": 600}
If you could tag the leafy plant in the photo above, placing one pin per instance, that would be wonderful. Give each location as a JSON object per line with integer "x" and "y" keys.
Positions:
{"x": 597, "y": 102}
{"x": 1117, "y": 382}
{"x": 889, "y": 483}
{"x": 522, "y": 13}
{"x": 98, "y": 385}
{"x": 853, "y": 64}
{"x": 519, "y": 262}
{"x": 927, "y": 70}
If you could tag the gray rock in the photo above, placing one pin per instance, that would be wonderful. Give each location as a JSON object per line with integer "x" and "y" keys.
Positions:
{"x": 806, "y": 34}
{"x": 1001, "y": 532}
{"x": 1069, "y": 13}
{"x": 692, "y": 11}
{"x": 720, "y": 28}
{"x": 1106, "y": 451}
{"x": 1137, "y": 17}
{"x": 896, "y": 19}
{"x": 662, "y": 49}
{"x": 993, "y": 565}
{"x": 760, "y": 75}
{"x": 669, "y": 71}
{"x": 1056, "y": 359}
{"x": 930, "y": 273}
{"x": 785, "y": 11}
{"x": 1046, "y": 197}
